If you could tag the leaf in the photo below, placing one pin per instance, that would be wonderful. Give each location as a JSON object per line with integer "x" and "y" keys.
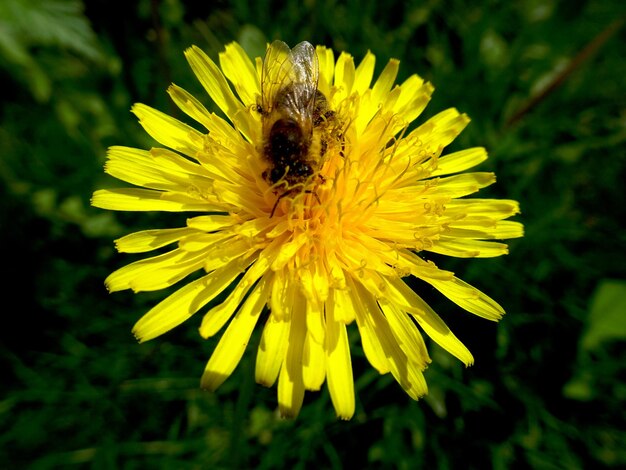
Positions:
{"x": 57, "y": 23}
{"x": 27, "y": 25}
{"x": 581, "y": 387}
{"x": 607, "y": 317}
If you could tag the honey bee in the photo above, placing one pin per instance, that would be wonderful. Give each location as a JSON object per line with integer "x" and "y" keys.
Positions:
{"x": 291, "y": 107}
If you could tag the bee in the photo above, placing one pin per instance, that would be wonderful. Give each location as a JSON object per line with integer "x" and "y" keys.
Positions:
{"x": 291, "y": 107}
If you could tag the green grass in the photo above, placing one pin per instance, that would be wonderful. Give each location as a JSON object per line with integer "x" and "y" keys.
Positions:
{"x": 547, "y": 389}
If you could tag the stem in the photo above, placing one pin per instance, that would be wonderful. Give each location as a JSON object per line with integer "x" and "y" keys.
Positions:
{"x": 585, "y": 54}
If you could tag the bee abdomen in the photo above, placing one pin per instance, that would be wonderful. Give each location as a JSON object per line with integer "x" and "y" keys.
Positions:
{"x": 287, "y": 149}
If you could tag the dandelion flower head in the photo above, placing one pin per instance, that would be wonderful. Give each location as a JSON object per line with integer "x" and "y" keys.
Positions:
{"x": 310, "y": 225}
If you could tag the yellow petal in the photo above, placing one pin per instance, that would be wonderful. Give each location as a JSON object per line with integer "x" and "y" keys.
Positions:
{"x": 343, "y": 306}
{"x": 439, "y": 332}
{"x": 183, "y": 303}
{"x": 468, "y": 297}
{"x": 464, "y": 184}
{"x": 212, "y": 223}
{"x": 290, "y": 380}
{"x": 327, "y": 68}
{"x": 364, "y": 73}
{"x": 414, "y": 96}
{"x": 272, "y": 349}
{"x": 344, "y": 75}
{"x": 169, "y": 131}
{"x": 339, "y": 366}
{"x": 462, "y": 248}
{"x": 233, "y": 343}
{"x": 508, "y": 229}
{"x": 370, "y": 340}
{"x": 214, "y": 319}
{"x": 385, "y": 81}
{"x": 484, "y": 229}
{"x": 288, "y": 250}
{"x": 315, "y": 320}
{"x": 200, "y": 241}
{"x": 134, "y": 199}
{"x": 283, "y": 292}
{"x": 406, "y": 372}
{"x": 190, "y": 105}
{"x": 334, "y": 272}
{"x": 239, "y": 69}
{"x": 214, "y": 82}
{"x": 313, "y": 361}
{"x": 429, "y": 321}
{"x": 314, "y": 284}
{"x": 460, "y": 161}
{"x": 495, "y": 209}
{"x": 442, "y": 128}
{"x": 218, "y": 255}
{"x": 148, "y": 240}
{"x": 155, "y": 169}
{"x": 155, "y": 273}
{"x": 407, "y": 334}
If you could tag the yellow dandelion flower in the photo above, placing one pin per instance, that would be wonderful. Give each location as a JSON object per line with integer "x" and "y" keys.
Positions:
{"x": 313, "y": 202}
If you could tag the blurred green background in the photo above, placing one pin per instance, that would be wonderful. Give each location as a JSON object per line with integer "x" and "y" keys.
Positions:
{"x": 545, "y": 85}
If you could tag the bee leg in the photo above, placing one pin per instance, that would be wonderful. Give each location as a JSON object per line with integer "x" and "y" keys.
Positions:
{"x": 317, "y": 197}
{"x": 278, "y": 199}
{"x": 308, "y": 191}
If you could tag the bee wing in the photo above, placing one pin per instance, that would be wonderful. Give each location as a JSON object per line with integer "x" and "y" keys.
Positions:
{"x": 276, "y": 68}
{"x": 289, "y": 78}
{"x": 305, "y": 75}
